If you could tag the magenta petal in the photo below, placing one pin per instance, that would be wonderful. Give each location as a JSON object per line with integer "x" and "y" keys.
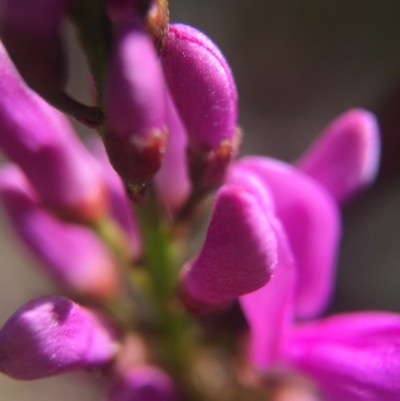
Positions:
{"x": 239, "y": 253}
{"x": 53, "y": 335}
{"x": 172, "y": 180}
{"x": 41, "y": 141}
{"x": 90, "y": 271}
{"x": 311, "y": 221}
{"x": 345, "y": 158}
{"x": 352, "y": 357}
{"x": 145, "y": 383}
{"x": 269, "y": 310}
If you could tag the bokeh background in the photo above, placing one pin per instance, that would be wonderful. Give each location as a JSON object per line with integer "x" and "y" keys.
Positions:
{"x": 297, "y": 65}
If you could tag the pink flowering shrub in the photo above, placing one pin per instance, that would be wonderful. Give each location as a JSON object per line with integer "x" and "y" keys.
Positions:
{"x": 112, "y": 223}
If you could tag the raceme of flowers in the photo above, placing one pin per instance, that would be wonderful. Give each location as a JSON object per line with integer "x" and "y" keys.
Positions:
{"x": 114, "y": 222}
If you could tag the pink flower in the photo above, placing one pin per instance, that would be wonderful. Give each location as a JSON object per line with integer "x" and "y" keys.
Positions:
{"x": 352, "y": 357}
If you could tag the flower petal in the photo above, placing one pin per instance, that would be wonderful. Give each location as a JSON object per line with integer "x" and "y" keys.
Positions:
{"x": 352, "y": 357}
{"x": 311, "y": 221}
{"x": 269, "y": 310}
{"x": 345, "y": 157}
{"x": 239, "y": 253}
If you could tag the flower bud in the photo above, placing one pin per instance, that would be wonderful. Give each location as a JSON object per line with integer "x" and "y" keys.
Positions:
{"x": 41, "y": 141}
{"x": 352, "y": 357}
{"x": 172, "y": 181}
{"x": 53, "y": 335}
{"x": 145, "y": 383}
{"x": 238, "y": 256}
{"x": 202, "y": 87}
{"x": 91, "y": 271}
{"x": 345, "y": 157}
{"x": 311, "y": 220}
{"x": 136, "y": 134}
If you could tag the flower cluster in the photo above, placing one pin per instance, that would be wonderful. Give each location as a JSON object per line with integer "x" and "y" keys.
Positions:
{"x": 112, "y": 222}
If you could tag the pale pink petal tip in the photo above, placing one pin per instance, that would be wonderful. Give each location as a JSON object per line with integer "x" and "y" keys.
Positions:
{"x": 353, "y": 357}
{"x": 91, "y": 271}
{"x": 145, "y": 383}
{"x": 239, "y": 253}
{"x": 54, "y": 335}
{"x": 345, "y": 158}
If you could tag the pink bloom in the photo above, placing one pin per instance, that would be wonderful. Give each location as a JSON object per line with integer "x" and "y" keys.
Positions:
{"x": 352, "y": 357}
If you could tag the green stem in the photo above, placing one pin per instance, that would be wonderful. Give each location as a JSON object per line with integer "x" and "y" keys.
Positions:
{"x": 163, "y": 270}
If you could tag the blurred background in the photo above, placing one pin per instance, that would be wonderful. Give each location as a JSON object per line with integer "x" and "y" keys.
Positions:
{"x": 297, "y": 65}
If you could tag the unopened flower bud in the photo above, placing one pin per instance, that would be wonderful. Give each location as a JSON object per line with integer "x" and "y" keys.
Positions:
{"x": 345, "y": 158}
{"x": 53, "y": 335}
{"x": 202, "y": 87}
{"x": 238, "y": 256}
{"x": 41, "y": 141}
{"x": 70, "y": 253}
{"x": 136, "y": 134}
{"x": 145, "y": 383}
{"x": 172, "y": 181}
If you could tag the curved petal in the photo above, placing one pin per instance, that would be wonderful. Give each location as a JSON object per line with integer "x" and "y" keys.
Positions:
{"x": 311, "y": 221}
{"x": 352, "y": 357}
{"x": 345, "y": 157}
{"x": 269, "y": 310}
{"x": 239, "y": 253}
